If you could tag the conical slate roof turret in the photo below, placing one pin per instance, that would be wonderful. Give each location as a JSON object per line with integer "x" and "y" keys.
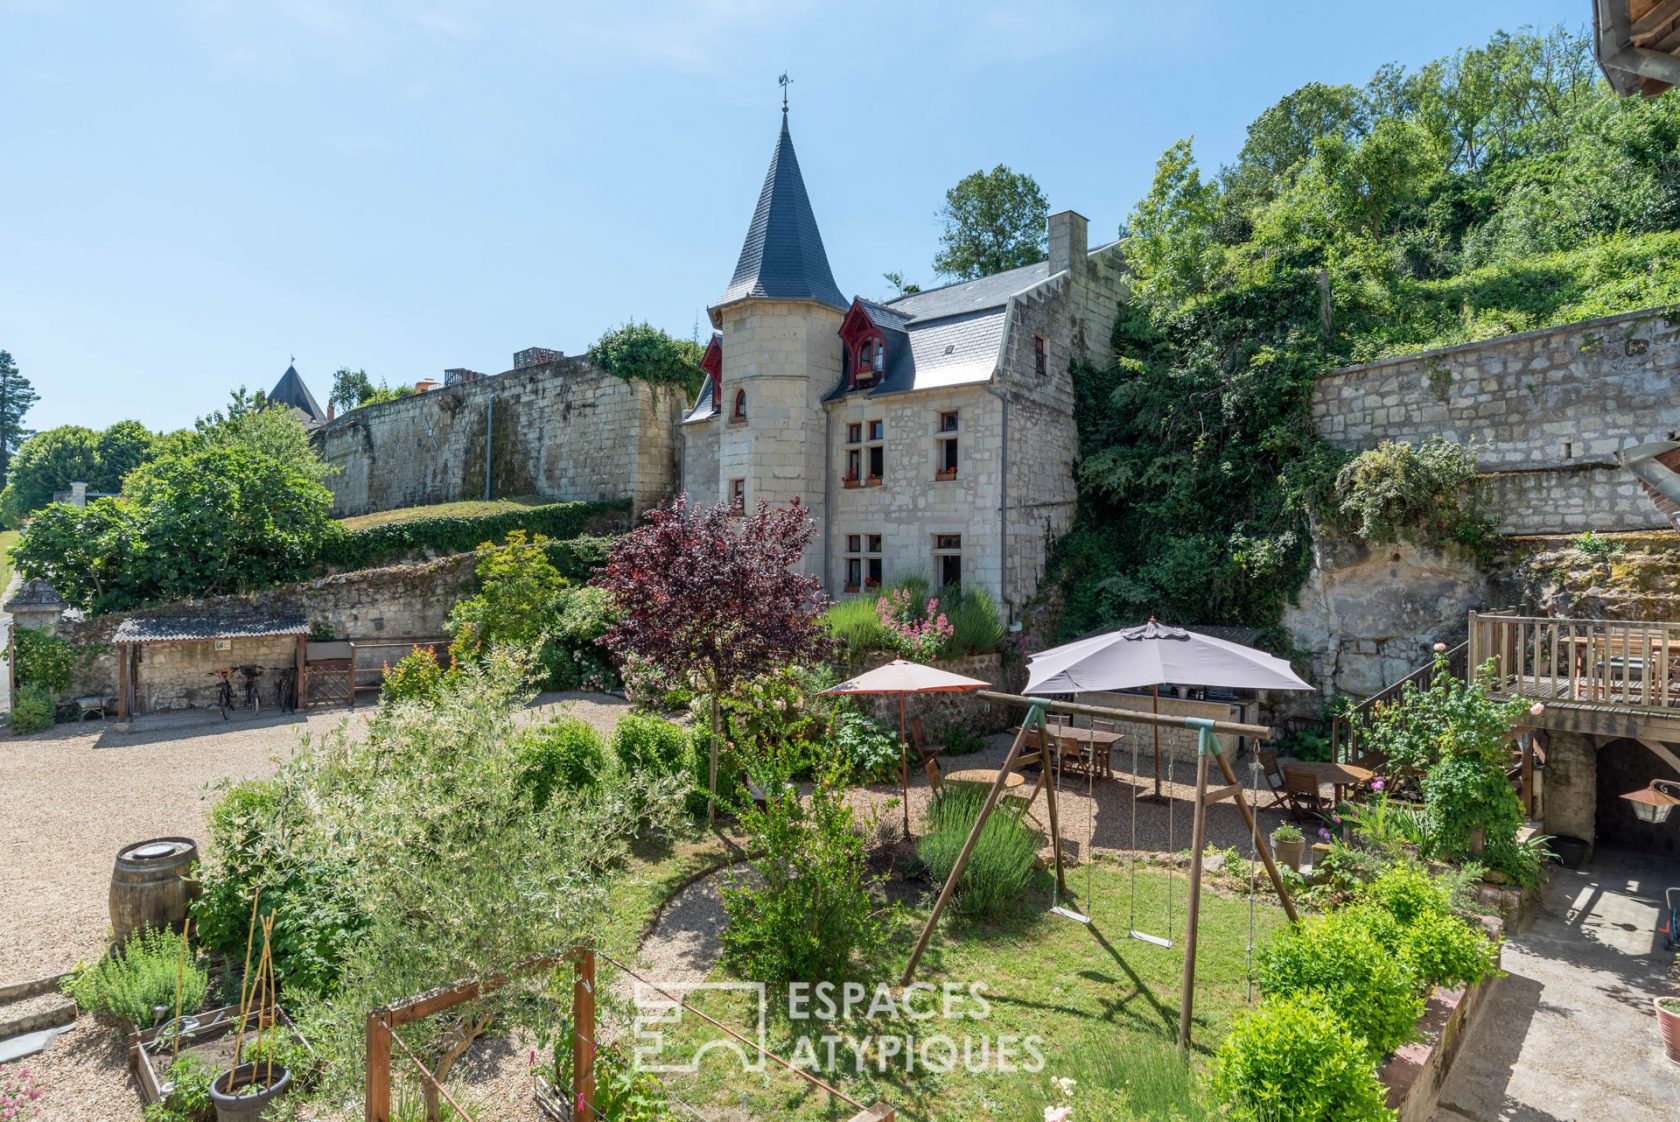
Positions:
{"x": 783, "y": 257}
{"x": 290, "y": 391}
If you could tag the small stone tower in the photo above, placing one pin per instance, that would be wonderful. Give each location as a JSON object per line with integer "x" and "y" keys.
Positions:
{"x": 780, "y": 319}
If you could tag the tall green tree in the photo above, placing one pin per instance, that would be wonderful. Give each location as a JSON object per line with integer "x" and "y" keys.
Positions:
{"x": 16, "y": 396}
{"x": 350, "y": 388}
{"x": 994, "y": 220}
{"x": 248, "y": 423}
{"x": 120, "y": 449}
{"x": 50, "y": 461}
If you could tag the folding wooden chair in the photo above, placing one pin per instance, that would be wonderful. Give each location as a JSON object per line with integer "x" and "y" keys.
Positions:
{"x": 1301, "y": 792}
{"x": 1274, "y": 775}
{"x": 927, "y": 753}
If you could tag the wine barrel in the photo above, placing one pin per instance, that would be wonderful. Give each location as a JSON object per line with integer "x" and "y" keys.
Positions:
{"x": 149, "y": 885}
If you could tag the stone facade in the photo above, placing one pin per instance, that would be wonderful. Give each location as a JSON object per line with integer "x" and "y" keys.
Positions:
{"x": 557, "y": 427}
{"x": 402, "y": 602}
{"x": 1548, "y": 411}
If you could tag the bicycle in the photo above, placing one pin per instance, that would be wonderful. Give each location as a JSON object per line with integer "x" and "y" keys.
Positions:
{"x": 224, "y": 692}
{"x": 283, "y": 699}
{"x": 251, "y": 674}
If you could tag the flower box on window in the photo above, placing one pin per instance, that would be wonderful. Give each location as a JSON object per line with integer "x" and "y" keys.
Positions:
{"x": 851, "y": 481}
{"x": 872, "y": 481}
{"x": 945, "y": 476}
{"x": 851, "y": 588}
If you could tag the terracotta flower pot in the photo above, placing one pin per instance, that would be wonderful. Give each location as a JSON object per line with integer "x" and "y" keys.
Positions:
{"x": 1668, "y": 1024}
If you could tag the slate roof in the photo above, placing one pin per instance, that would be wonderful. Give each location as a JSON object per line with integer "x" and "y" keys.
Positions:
{"x": 35, "y": 593}
{"x": 705, "y": 406}
{"x": 188, "y": 629}
{"x": 290, "y": 391}
{"x": 970, "y": 296}
{"x": 783, "y": 256}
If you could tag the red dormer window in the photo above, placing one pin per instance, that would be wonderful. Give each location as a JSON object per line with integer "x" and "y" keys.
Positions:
{"x": 712, "y": 363}
{"x": 866, "y": 349}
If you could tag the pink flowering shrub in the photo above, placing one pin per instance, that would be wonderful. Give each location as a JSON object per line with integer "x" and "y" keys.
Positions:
{"x": 19, "y": 1097}
{"x": 920, "y": 634}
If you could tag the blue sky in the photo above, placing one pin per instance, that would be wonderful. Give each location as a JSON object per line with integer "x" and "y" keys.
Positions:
{"x": 193, "y": 192}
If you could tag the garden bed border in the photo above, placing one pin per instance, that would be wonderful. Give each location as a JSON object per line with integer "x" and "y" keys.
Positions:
{"x": 1415, "y": 1074}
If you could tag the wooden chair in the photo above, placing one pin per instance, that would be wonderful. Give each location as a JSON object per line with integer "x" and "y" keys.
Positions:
{"x": 927, "y": 754}
{"x": 1301, "y": 792}
{"x": 1273, "y": 774}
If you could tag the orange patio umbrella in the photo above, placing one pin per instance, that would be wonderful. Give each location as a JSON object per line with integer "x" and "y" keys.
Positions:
{"x": 902, "y": 677}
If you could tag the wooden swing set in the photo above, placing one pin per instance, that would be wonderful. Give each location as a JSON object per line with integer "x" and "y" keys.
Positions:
{"x": 1208, "y": 747}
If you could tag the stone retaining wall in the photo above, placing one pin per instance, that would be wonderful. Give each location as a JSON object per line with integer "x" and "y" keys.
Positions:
{"x": 1547, "y": 410}
{"x": 398, "y": 602}
{"x": 1417, "y": 1071}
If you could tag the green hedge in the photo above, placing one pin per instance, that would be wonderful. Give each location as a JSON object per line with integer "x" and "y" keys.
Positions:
{"x": 391, "y": 542}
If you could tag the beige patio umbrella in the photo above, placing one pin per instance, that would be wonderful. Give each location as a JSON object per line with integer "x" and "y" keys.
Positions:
{"x": 902, "y": 677}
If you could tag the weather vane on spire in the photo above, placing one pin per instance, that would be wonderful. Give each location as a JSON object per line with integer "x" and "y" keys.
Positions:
{"x": 784, "y": 81}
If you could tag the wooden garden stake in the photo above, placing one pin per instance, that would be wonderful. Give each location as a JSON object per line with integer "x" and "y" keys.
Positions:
{"x": 180, "y": 978}
{"x": 583, "y": 1038}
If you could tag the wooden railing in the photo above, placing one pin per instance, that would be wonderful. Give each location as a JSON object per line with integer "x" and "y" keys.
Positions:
{"x": 1344, "y": 727}
{"x": 1632, "y": 665}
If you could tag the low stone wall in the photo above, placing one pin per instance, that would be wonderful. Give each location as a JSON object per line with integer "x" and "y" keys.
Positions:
{"x": 399, "y": 602}
{"x": 940, "y": 711}
{"x": 1417, "y": 1071}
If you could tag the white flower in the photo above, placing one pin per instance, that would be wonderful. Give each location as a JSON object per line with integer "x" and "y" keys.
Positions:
{"x": 1064, "y": 1085}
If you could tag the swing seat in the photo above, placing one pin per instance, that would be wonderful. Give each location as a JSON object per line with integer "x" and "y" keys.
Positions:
{"x": 1069, "y": 913}
{"x": 1148, "y": 938}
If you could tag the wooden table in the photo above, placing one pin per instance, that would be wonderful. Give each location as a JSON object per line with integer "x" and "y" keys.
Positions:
{"x": 1085, "y": 746}
{"x": 1340, "y": 776}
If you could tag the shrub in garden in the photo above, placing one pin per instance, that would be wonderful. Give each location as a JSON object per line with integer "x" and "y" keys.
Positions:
{"x": 562, "y": 754}
{"x": 807, "y": 913}
{"x": 868, "y": 752}
{"x": 1001, "y": 864}
{"x": 573, "y": 656}
{"x": 255, "y": 830}
{"x": 559, "y": 524}
{"x": 1340, "y": 956}
{"x": 416, "y": 677}
{"x": 645, "y": 743}
{"x": 45, "y": 659}
{"x": 1445, "y": 950}
{"x": 1294, "y": 1060}
{"x": 132, "y": 984}
{"x": 189, "y": 1081}
{"x": 34, "y": 711}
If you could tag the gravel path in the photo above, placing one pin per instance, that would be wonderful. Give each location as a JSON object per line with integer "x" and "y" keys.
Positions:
{"x": 1096, "y": 812}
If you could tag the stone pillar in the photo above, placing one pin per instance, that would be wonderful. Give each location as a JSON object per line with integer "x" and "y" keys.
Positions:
{"x": 78, "y": 494}
{"x": 1570, "y": 785}
{"x": 1067, "y": 241}
{"x": 36, "y": 605}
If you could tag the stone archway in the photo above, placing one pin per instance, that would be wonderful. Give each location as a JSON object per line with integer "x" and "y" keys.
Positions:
{"x": 1626, "y": 765}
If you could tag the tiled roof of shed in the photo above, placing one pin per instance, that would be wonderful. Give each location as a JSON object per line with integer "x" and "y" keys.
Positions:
{"x": 783, "y": 256}
{"x": 184, "y": 629}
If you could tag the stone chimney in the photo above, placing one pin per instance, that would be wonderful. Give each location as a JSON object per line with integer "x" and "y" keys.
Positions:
{"x": 329, "y": 412}
{"x": 1067, "y": 241}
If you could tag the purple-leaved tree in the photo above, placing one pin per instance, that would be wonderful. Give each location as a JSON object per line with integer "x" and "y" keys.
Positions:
{"x": 715, "y": 598}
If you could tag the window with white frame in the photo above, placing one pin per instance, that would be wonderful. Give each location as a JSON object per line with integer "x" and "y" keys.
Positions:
{"x": 875, "y": 453}
{"x": 947, "y": 560}
{"x": 738, "y": 496}
{"x": 945, "y": 446}
{"x": 863, "y": 562}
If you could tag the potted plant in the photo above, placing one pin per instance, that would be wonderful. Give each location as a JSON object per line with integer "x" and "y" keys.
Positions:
{"x": 850, "y": 481}
{"x": 945, "y": 475}
{"x": 1668, "y": 1024}
{"x": 1288, "y": 845}
{"x": 244, "y": 1092}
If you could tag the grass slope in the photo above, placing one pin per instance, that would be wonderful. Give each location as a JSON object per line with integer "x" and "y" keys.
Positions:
{"x": 466, "y": 508}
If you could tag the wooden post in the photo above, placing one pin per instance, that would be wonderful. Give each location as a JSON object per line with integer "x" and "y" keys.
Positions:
{"x": 378, "y": 1108}
{"x": 1050, "y": 766}
{"x": 583, "y": 1038}
{"x": 904, "y": 767}
{"x": 122, "y": 681}
{"x": 1155, "y": 708}
{"x": 1036, "y": 713}
{"x": 299, "y": 697}
{"x": 1261, "y": 845}
{"x": 352, "y": 675}
{"x": 880, "y": 1112}
{"x": 1198, "y": 838}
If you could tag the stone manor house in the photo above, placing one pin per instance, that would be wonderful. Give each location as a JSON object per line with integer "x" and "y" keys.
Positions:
{"x": 930, "y": 434}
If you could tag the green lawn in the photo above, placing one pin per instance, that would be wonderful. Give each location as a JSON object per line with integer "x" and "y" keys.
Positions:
{"x": 467, "y": 508}
{"x": 1103, "y": 1006}
{"x": 8, "y": 539}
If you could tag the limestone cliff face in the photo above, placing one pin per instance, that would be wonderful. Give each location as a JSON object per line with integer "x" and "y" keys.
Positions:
{"x": 1368, "y": 616}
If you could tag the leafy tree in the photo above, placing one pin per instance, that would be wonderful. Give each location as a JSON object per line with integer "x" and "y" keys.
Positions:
{"x": 519, "y": 588}
{"x": 1170, "y": 242}
{"x": 704, "y": 602}
{"x": 247, "y": 423}
{"x": 350, "y": 388}
{"x": 50, "y": 461}
{"x": 120, "y": 449}
{"x": 353, "y": 388}
{"x": 994, "y": 220}
{"x": 227, "y": 519}
{"x": 16, "y": 396}
{"x": 642, "y": 351}
{"x": 901, "y": 286}
{"x": 89, "y": 554}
